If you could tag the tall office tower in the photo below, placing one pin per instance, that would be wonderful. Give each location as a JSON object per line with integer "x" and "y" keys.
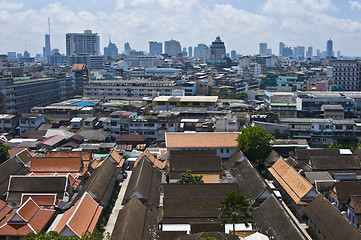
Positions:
{"x": 288, "y": 52}
{"x": 233, "y": 54}
{"x": 338, "y": 54}
{"x": 172, "y": 47}
{"x": 318, "y": 54}
{"x": 11, "y": 56}
{"x": 347, "y": 74}
{"x": 111, "y": 51}
{"x": 282, "y": 49}
{"x": 184, "y": 52}
{"x": 263, "y": 49}
{"x": 309, "y": 52}
{"x": 155, "y": 48}
{"x": 190, "y": 52}
{"x": 218, "y": 50}
{"x": 299, "y": 52}
{"x": 46, "y": 49}
{"x": 82, "y": 43}
{"x": 198, "y": 51}
{"x": 329, "y": 48}
{"x": 26, "y": 54}
{"x": 127, "y": 48}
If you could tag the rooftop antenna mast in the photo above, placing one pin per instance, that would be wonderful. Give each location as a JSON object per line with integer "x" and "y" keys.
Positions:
{"x": 49, "y": 35}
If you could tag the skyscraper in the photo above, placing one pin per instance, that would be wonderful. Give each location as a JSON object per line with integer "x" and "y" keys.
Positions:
{"x": 127, "y": 48}
{"x": 218, "y": 50}
{"x": 309, "y": 52}
{"x": 263, "y": 48}
{"x": 190, "y": 52}
{"x": 233, "y": 54}
{"x": 82, "y": 43}
{"x": 46, "y": 49}
{"x": 281, "y": 49}
{"x": 329, "y": 48}
{"x": 172, "y": 47}
{"x": 111, "y": 50}
{"x": 155, "y": 48}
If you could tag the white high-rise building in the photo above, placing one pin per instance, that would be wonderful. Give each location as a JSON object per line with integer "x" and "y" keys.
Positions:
{"x": 155, "y": 48}
{"x": 82, "y": 43}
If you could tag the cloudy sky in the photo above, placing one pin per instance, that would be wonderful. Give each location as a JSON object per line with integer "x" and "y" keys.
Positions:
{"x": 241, "y": 24}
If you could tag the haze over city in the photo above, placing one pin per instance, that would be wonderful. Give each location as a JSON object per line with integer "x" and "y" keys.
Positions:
{"x": 241, "y": 24}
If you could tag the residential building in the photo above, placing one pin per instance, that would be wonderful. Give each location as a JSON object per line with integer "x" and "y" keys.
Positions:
{"x": 81, "y": 77}
{"x": 346, "y": 74}
{"x": 160, "y": 72}
{"x": 172, "y": 47}
{"x": 263, "y": 49}
{"x": 3, "y": 63}
{"x": 21, "y": 95}
{"x": 266, "y": 61}
{"x": 8, "y": 123}
{"x": 128, "y": 88}
{"x": 30, "y": 122}
{"x": 82, "y": 43}
{"x": 353, "y": 210}
{"x": 169, "y": 102}
{"x": 284, "y": 104}
{"x": 155, "y": 48}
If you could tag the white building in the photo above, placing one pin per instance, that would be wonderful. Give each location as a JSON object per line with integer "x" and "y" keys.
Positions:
{"x": 80, "y": 43}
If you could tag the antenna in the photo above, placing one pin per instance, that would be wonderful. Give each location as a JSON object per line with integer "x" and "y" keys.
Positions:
{"x": 49, "y": 36}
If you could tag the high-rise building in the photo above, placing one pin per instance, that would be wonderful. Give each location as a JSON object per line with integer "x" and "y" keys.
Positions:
{"x": 347, "y": 74}
{"x": 111, "y": 51}
{"x": 127, "y": 48}
{"x": 172, "y": 47}
{"x": 184, "y": 52}
{"x": 263, "y": 48}
{"x": 26, "y": 54}
{"x": 329, "y": 48}
{"x": 309, "y": 52}
{"x": 47, "y": 49}
{"x": 190, "y": 52}
{"x": 281, "y": 49}
{"x": 198, "y": 51}
{"x": 82, "y": 43}
{"x": 155, "y": 48}
{"x": 218, "y": 50}
{"x": 299, "y": 52}
{"x": 233, "y": 54}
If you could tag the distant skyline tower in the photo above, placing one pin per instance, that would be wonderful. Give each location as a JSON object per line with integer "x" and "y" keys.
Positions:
{"x": 111, "y": 50}
{"x": 82, "y": 43}
{"x": 329, "y": 50}
{"x": 233, "y": 54}
{"x": 309, "y": 52}
{"x": 46, "y": 49}
{"x": 172, "y": 47}
{"x": 127, "y": 48}
{"x": 263, "y": 49}
{"x": 218, "y": 50}
{"x": 282, "y": 49}
{"x": 190, "y": 52}
{"x": 155, "y": 48}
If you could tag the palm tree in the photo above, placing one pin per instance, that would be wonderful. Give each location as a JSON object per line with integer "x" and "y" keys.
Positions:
{"x": 235, "y": 209}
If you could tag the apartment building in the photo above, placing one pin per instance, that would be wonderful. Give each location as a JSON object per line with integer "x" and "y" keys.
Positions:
{"x": 346, "y": 74}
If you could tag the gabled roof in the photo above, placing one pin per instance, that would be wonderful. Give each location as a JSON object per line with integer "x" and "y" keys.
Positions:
{"x": 4, "y": 209}
{"x": 345, "y": 189}
{"x": 36, "y": 184}
{"x": 236, "y": 157}
{"x": 28, "y": 218}
{"x": 329, "y": 221}
{"x": 249, "y": 181}
{"x": 272, "y": 158}
{"x": 356, "y": 202}
{"x": 150, "y": 158}
{"x": 48, "y": 199}
{"x": 79, "y": 67}
{"x": 56, "y": 165}
{"x": 272, "y": 220}
{"x": 134, "y": 222}
{"x": 51, "y": 141}
{"x": 35, "y": 134}
{"x": 101, "y": 182}
{"x": 113, "y": 156}
{"x": 131, "y": 137}
{"x": 81, "y": 218}
{"x": 144, "y": 183}
{"x": 312, "y": 177}
{"x": 291, "y": 181}
{"x": 24, "y": 156}
{"x": 86, "y": 156}
{"x": 8, "y": 168}
{"x": 340, "y": 162}
{"x": 303, "y": 155}
{"x": 214, "y": 139}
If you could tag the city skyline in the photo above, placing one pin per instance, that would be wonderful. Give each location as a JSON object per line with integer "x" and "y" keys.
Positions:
{"x": 241, "y": 24}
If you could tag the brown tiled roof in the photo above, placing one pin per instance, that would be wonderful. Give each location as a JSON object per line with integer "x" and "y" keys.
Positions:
{"x": 183, "y": 140}
{"x": 4, "y": 209}
{"x": 233, "y": 160}
{"x": 35, "y": 134}
{"x": 24, "y": 156}
{"x": 28, "y": 218}
{"x": 8, "y": 168}
{"x": 82, "y": 217}
{"x": 134, "y": 222}
{"x": 79, "y": 67}
{"x": 340, "y": 162}
{"x": 40, "y": 199}
{"x": 345, "y": 189}
{"x": 291, "y": 181}
{"x": 329, "y": 220}
{"x": 114, "y": 158}
{"x": 55, "y": 164}
{"x": 86, "y": 156}
{"x": 146, "y": 181}
{"x": 131, "y": 137}
{"x": 15, "y": 150}
{"x": 272, "y": 220}
{"x": 272, "y": 158}
{"x": 303, "y": 155}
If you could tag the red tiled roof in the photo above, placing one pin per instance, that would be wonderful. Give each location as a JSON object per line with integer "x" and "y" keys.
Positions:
{"x": 4, "y": 209}
{"x": 40, "y": 199}
{"x": 55, "y": 164}
{"x": 13, "y": 151}
{"x": 155, "y": 162}
{"x": 82, "y": 217}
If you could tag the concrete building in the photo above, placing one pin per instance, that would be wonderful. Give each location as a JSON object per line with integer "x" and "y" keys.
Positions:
{"x": 329, "y": 49}
{"x": 47, "y": 49}
{"x": 218, "y": 50}
{"x": 111, "y": 51}
{"x": 21, "y": 95}
{"x": 346, "y": 74}
{"x": 172, "y": 47}
{"x": 82, "y": 43}
{"x": 263, "y": 49}
{"x": 155, "y": 48}
{"x": 3, "y": 63}
{"x": 8, "y": 123}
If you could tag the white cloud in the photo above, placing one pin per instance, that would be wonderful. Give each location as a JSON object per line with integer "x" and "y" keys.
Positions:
{"x": 10, "y": 5}
{"x": 354, "y": 5}
{"x": 297, "y": 7}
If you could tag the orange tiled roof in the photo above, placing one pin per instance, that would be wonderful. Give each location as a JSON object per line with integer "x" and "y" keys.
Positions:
{"x": 183, "y": 140}
{"x": 291, "y": 181}
{"x": 40, "y": 199}
{"x": 78, "y": 67}
{"x": 28, "y": 218}
{"x": 4, "y": 209}
{"x": 86, "y": 156}
{"x": 151, "y": 158}
{"x": 82, "y": 217}
{"x": 119, "y": 159}
{"x": 55, "y": 164}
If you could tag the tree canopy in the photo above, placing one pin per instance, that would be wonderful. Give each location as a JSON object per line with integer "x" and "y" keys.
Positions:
{"x": 235, "y": 209}
{"x": 188, "y": 177}
{"x": 4, "y": 154}
{"x": 255, "y": 143}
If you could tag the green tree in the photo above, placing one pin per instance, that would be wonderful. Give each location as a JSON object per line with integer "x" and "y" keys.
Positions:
{"x": 255, "y": 143}
{"x": 188, "y": 177}
{"x": 235, "y": 209}
{"x": 4, "y": 154}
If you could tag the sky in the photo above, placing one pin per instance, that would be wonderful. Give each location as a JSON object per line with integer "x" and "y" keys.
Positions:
{"x": 241, "y": 24}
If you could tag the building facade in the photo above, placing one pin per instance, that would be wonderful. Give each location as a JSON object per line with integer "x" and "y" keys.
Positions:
{"x": 346, "y": 74}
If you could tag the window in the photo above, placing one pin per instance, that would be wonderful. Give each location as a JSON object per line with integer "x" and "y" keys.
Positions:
{"x": 338, "y": 127}
{"x": 221, "y": 150}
